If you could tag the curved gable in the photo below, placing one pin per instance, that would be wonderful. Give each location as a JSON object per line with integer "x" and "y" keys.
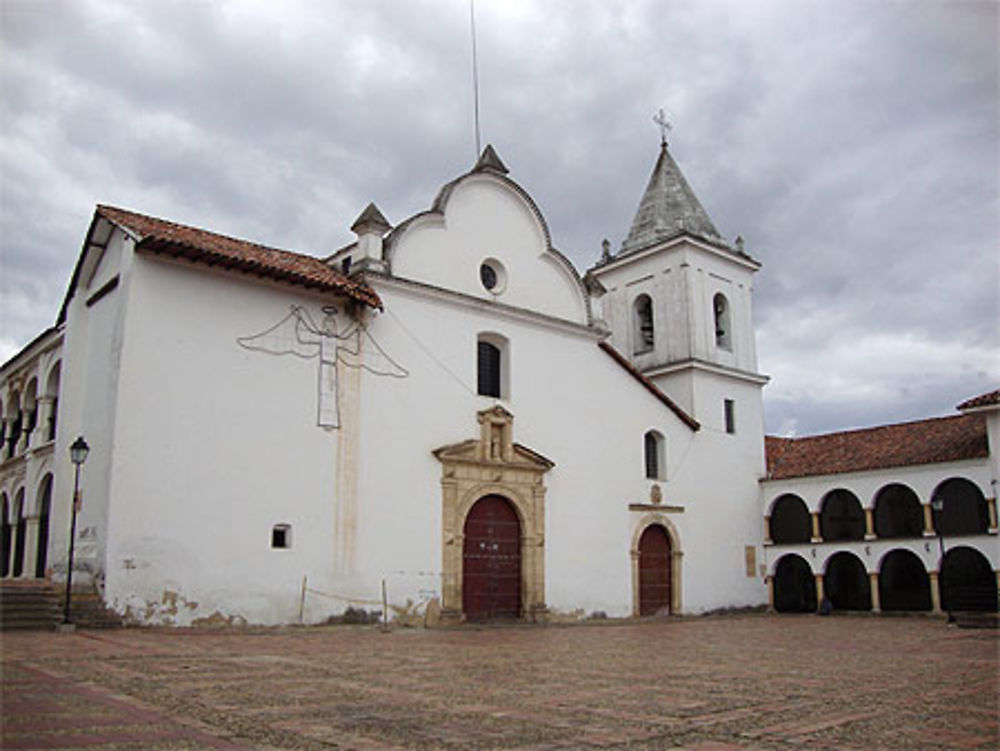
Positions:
{"x": 484, "y": 216}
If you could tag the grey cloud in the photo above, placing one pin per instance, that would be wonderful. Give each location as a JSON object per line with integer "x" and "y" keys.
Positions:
{"x": 853, "y": 144}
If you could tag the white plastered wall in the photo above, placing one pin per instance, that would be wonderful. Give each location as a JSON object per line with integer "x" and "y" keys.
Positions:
{"x": 214, "y": 445}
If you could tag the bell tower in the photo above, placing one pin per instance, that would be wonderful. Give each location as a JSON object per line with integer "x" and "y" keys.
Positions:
{"x": 678, "y": 300}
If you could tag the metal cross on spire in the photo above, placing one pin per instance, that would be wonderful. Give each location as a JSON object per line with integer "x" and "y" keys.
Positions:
{"x": 660, "y": 119}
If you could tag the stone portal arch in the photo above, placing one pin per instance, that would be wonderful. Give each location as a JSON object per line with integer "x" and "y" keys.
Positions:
{"x": 898, "y": 512}
{"x": 841, "y": 517}
{"x": 493, "y": 465}
{"x": 846, "y": 583}
{"x": 6, "y": 535}
{"x": 968, "y": 582}
{"x": 903, "y": 583}
{"x": 44, "y": 511}
{"x": 670, "y": 566}
{"x": 790, "y": 521}
{"x": 964, "y": 509}
{"x": 794, "y": 585}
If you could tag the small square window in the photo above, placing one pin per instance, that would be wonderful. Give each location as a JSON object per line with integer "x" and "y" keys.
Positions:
{"x": 281, "y": 536}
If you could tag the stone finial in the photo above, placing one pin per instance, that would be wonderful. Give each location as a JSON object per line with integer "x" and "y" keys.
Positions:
{"x": 605, "y": 249}
{"x": 490, "y": 161}
{"x": 370, "y": 228}
{"x": 371, "y": 220}
{"x": 739, "y": 243}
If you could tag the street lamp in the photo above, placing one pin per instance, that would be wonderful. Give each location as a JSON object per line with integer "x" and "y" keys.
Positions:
{"x": 937, "y": 504}
{"x": 78, "y": 455}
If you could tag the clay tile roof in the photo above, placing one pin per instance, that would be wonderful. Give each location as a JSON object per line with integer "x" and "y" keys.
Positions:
{"x": 180, "y": 241}
{"x": 942, "y": 439}
{"x": 992, "y": 399}
{"x": 649, "y": 385}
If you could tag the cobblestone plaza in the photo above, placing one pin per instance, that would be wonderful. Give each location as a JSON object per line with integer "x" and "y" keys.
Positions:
{"x": 703, "y": 684}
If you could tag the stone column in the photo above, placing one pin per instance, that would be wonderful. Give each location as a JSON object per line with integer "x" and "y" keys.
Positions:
{"x": 534, "y": 557}
{"x": 30, "y": 547}
{"x": 991, "y": 506}
{"x": 815, "y": 522}
{"x": 634, "y": 555}
{"x": 676, "y": 582}
{"x": 451, "y": 551}
{"x": 820, "y": 594}
{"x": 40, "y": 435}
{"x": 873, "y": 588}
{"x": 928, "y": 521}
{"x": 869, "y": 524}
{"x": 767, "y": 530}
{"x": 935, "y": 592}
{"x": 22, "y": 440}
{"x": 770, "y": 592}
{"x": 8, "y": 426}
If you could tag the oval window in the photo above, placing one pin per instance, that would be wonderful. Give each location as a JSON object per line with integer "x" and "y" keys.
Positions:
{"x": 492, "y": 276}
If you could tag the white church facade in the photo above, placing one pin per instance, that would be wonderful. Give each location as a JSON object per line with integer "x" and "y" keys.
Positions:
{"x": 445, "y": 414}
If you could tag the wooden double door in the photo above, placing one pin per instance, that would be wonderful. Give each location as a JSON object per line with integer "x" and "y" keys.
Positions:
{"x": 491, "y": 561}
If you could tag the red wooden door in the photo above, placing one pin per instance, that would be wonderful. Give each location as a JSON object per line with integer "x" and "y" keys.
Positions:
{"x": 654, "y": 571}
{"x": 491, "y": 561}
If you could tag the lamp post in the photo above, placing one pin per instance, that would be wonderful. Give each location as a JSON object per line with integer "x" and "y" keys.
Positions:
{"x": 78, "y": 455}
{"x": 937, "y": 505}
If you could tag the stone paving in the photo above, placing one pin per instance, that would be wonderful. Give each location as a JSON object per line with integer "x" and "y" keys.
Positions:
{"x": 726, "y": 683}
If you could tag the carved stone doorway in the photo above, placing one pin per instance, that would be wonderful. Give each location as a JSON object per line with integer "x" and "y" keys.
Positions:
{"x": 493, "y": 465}
{"x": 657, "y": 561}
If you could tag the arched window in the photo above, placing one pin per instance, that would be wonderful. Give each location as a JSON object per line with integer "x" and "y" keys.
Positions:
{"x": 6, "y": 536}
{"x": 44, "y": 509}
{"x": 20, "y": 527}
{"x": 654, "y": 452}
{"x": 31, "y": 407}
{"x": 794, "y": 585}
{"x": 841, "y": 517}
{"x": 903, "y": 583}
{"x": 964, "y": 510}
{"x": 790, "y": 522}
{"x": 643, "y": 323}
{"x": 846, "y": 583}
{"x": 52, "y": 392}
{"x": 898, "y": 512}
{"x": 723, "y": 334}
{"x": 14, "y": 434}
{"x": 492, "y": 366}
{"x": 967, "y": 581}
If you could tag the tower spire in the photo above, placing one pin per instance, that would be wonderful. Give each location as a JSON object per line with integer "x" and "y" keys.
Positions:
{"x": 669, "y": 207}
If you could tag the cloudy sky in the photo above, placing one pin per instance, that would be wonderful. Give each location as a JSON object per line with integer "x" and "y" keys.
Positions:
{"x": 853, "y": 144}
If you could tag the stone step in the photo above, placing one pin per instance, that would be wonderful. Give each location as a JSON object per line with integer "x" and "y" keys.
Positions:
{"x": 38, "y": 605}
{"x": 89, "y": 611}
{"x": 28, "y": 605}
{"x": 978, "y": 620}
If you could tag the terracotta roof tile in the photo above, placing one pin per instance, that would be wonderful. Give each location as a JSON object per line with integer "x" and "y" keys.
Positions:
{"x": 180, "y": 241}
{"x": 942, "y": 439}
{"x": 991, "y": 399}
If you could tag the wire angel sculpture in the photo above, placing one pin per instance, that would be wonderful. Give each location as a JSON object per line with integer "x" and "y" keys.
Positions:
{"x": 298, "y": 334}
